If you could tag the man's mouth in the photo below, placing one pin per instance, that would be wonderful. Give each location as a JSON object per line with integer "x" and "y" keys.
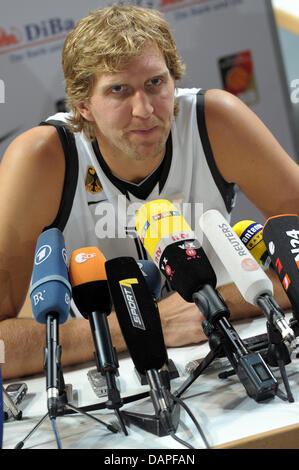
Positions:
{"x": 144, "y": 131}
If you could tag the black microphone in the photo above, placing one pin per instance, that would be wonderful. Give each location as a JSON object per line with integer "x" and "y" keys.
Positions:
{"x": 281, "y": 237}
{"x": 139, "y": 320}
{"x": 186, "y": 266}
{"x": 50, "y": 295}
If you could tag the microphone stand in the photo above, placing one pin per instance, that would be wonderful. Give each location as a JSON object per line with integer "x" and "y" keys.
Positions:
{"x": 278, "y": 355}
{"x": 216, "y": 346}
{"x": 251, "y": 369}
{"x": 106, "y": 362}
{"x": 165, "y": 419}
{"x": 57, "y": 398}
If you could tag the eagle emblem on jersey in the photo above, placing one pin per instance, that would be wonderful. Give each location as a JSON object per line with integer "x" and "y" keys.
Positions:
{"x": 92, "y": 182}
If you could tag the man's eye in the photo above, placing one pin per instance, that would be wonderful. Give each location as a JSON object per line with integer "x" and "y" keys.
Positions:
{"x": 118, "y": 89}
{"x": 154, "y": 82}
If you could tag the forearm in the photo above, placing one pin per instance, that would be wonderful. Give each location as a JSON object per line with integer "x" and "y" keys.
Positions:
{"x": 239, "y": 308}
{"x": 24, "y": 341}
{"x": 182, "y": 321}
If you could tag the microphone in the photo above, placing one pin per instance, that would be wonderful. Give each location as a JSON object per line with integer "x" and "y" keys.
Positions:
{"x": 281, "y": 237}
{"x": 50, "y": 295}
{"x": 152, "y": 276}
{"x": 139, "y": 320}
{"x": 251, "y": 234}
{"x": 92, "y": 298}
{"x": 175, "y": 250}
{"x": 248, "y": 276}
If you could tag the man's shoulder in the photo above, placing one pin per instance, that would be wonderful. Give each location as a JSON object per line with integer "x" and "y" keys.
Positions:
{"x": 39, "y": 146}
{"x": 216, "y": 101}
{"x": 215, "y": 97}
{"x": 222, "y": 103}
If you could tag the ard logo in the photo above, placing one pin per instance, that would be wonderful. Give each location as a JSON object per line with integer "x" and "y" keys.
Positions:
{"x": 92, "y": 182}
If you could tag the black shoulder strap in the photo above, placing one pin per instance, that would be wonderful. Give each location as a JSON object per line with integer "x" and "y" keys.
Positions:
{"x": 71, "y": 173}
{"x": 227, "y": 190}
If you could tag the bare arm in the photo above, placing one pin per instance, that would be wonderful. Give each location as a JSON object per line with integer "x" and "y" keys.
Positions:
{"x": 31, "y": 183}
{"x": 25, "y": 339}
{"x": 182, "y": 321}
{"x": 246, "y": 153}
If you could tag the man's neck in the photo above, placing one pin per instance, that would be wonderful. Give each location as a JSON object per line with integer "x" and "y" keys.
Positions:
{"x": 131, "y": 169}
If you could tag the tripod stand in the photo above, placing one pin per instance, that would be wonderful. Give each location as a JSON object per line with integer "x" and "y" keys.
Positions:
{"x": 57, "y": 398}
{"x": 62, "y": 409}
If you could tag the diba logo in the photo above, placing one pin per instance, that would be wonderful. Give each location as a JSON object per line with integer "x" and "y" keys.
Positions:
{"x": 82, "y": 257}
{"x": 44, "y": 31}
{"x": 47, "y": 28}
{"x": 10, "y": 38}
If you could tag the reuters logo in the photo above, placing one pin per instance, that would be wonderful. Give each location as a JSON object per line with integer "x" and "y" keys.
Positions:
{"x": 82, "y": 257}
{"x": 249, "y": 264}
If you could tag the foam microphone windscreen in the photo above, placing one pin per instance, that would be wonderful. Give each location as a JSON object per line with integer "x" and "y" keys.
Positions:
{"x": 137, "y": 314}
{"x": 251, "y": 234}
{"x": 171, "y": 243}
{"x": 89, "y": 282}
{"x": 50, "y": 290}
{"x": 187, "y": 268}
{"x": 159, "y": 223}
{"x": 281, "y": 236}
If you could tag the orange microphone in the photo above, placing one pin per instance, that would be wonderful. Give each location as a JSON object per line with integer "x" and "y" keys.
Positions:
{"x": 89, "y": 283}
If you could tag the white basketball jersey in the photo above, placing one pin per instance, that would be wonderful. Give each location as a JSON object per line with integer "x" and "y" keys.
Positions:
{"x": 98, "y": 209}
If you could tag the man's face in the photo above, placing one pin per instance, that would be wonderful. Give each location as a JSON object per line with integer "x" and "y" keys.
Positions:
{"x": 133, "y": 109}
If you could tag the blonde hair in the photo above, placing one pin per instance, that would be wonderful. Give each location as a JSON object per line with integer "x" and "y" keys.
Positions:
{"x": 107, "y": 40}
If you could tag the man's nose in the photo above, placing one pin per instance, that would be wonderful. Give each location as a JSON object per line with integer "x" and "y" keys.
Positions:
{"x": 141, "y": 105}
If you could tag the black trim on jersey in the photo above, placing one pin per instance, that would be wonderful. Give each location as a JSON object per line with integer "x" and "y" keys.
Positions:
{"x": 71, "y": 173}
{"x": 72, "y": 313}
{"x": 142, "y": 190}
{"x": 227, "y": 190}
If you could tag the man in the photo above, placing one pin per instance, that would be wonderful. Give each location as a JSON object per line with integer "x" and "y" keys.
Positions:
{"x": 144, "y": 139}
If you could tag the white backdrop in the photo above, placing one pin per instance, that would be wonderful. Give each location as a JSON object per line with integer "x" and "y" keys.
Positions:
{"x": 210, "y": 34}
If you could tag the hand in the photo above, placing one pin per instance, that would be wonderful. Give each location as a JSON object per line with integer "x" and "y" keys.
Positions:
{"x": 181, "y": 322}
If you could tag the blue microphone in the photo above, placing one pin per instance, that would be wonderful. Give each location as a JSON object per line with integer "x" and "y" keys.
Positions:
{"x": 50, "y": 295}
{"x": 152, "y": 276}
{"x": 50, "y": 289}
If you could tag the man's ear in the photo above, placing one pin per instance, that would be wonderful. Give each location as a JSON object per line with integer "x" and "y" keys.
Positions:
{"x": 84, "y": 110}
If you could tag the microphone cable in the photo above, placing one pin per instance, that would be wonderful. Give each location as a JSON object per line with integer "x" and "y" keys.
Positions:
{"x": 181, "y": 441}
{"x": 189, "y": 412}
{"x": 58, "y": 441}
